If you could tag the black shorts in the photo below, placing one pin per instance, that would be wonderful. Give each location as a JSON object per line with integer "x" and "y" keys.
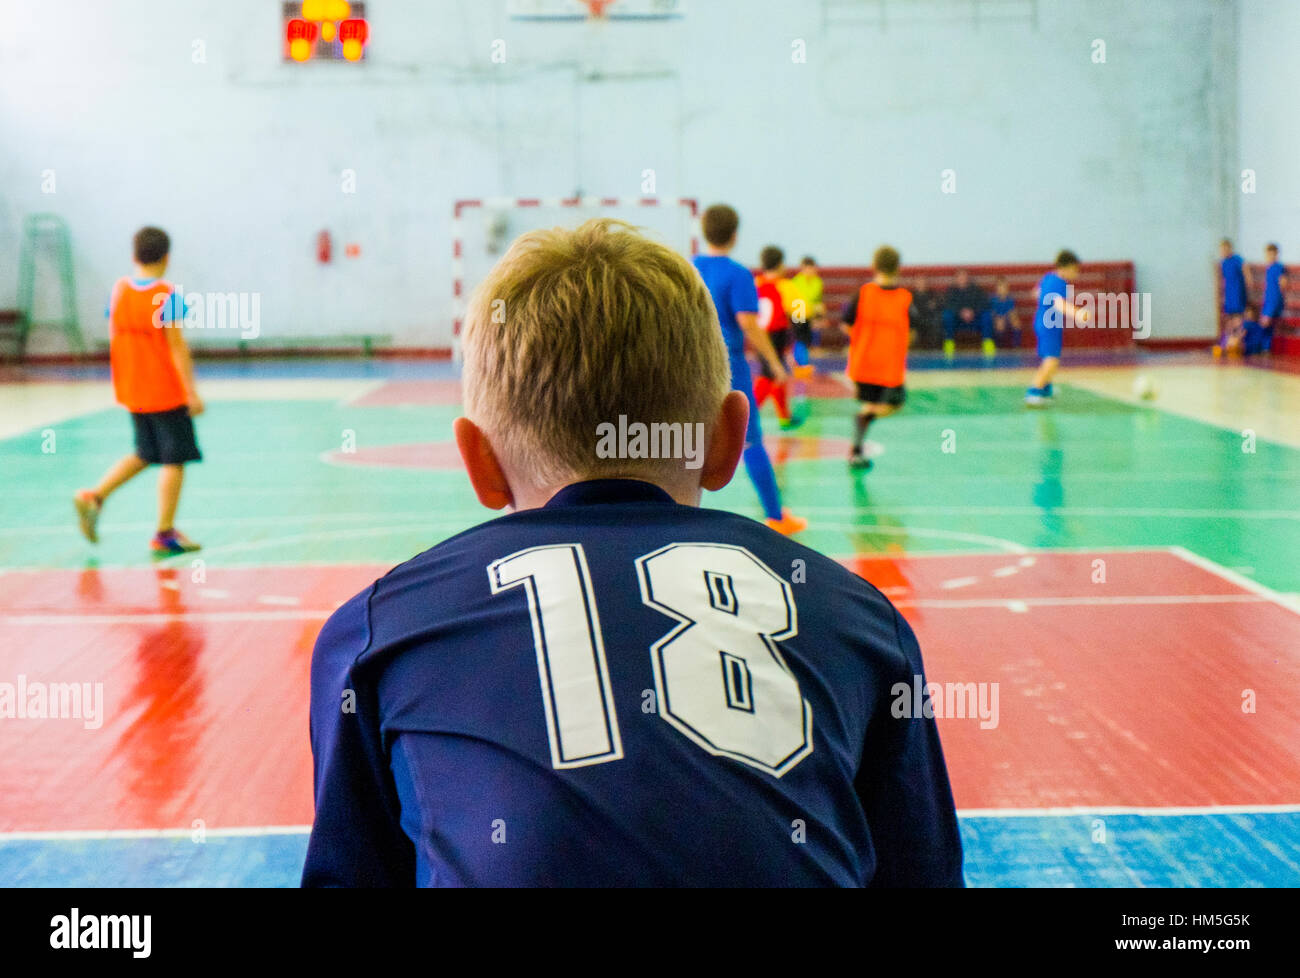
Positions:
{"x": 780, "y": 339}
{"x": 165, "y": 437}
{"x": 803, "y": 333}
{"x": 875, "y": 394}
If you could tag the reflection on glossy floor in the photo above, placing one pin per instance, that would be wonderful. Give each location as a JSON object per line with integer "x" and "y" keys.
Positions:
{"x": 1124, "y": 570}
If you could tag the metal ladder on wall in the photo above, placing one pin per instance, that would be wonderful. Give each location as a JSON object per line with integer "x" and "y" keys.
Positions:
{"x": 45, "y": 236}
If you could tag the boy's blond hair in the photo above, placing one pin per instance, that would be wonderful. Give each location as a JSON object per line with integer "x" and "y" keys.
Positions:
{"x": 573, "y": 328}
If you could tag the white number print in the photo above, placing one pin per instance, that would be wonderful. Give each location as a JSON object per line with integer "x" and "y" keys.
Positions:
{"x": 581, "y": 721}
{"x": 720, "y": 678}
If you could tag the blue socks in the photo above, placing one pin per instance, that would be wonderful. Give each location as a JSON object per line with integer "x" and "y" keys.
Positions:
{"x": 761, "y": 473}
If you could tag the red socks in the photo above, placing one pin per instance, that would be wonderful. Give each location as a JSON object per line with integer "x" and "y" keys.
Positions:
{"x": 764, "y": 387}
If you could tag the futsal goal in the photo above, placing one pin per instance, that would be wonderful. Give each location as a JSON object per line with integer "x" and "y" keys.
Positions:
{"x": 483, "y": 228}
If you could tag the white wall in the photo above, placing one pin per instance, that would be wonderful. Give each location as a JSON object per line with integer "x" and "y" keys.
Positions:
{"x": 1269, "y": 73}
{"x": 239, "y": 158}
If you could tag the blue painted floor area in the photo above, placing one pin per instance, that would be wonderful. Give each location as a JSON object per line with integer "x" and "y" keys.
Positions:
{"x": 1258, "y": 849}
{"x": 232, "y": 860}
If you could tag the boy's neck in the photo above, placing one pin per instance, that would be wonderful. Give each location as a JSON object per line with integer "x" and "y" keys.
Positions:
{"x": 150, "y": 271}
{"x": 686, "y": 492}
{"x": 717, "y": 251}
{"x": 886, "y": 280}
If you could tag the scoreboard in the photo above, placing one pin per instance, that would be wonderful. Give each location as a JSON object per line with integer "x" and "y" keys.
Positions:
{"x": 325, "y": 30}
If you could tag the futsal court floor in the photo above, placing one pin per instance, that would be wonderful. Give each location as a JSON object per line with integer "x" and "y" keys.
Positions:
{"x": 1124, "y": 573}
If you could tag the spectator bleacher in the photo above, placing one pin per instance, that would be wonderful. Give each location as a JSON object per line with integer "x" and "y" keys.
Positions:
{"x": 1102, "y": 278}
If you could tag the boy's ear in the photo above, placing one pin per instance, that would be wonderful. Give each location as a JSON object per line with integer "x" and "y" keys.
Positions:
{"x": 485, "y": 473}
{"x": 726, "y": 442}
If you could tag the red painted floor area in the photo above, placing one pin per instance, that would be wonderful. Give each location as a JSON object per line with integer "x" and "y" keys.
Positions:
{"x": 392, "y": 393}
{"x": 445, "y": 391}
{"x": 1096, "y": 681}
{"x": 205, "y": 686}
{"x": 204, "y": 695}
{"x": 445, "y": 456}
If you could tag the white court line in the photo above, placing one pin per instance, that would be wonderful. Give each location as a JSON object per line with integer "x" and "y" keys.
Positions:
{"x": 1022, "y": 604}
{"x": 68, "y": 835}
{"x": 369, "y": 388}
{"x": 1232, "y": 577}
{"x": 1128, "y": 810}
{"x": 437, "y": 520}
{"x": 1106, "y": 511}
{"x": 163, "y": 617}
{"x": 73, "y": 835}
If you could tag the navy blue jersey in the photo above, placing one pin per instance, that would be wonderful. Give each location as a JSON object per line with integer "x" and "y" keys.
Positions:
{"x": 616, "y": 689}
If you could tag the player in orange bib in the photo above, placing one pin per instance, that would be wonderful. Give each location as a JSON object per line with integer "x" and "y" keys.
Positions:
{"x": 153, "y": 378}
{"x": 878, "y": 323}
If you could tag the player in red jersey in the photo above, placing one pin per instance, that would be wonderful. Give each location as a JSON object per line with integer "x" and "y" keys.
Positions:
{"x": 773, "y": 318}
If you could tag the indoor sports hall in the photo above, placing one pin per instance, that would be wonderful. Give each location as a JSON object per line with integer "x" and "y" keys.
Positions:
{"x": 1104, "y": 582}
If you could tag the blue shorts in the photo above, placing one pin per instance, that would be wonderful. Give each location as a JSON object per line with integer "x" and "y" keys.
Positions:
{"x": 1050, "y": 341}
{"x": 742, "y": 380}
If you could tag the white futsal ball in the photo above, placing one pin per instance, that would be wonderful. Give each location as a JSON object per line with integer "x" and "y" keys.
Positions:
{"x": 1144, "y": 387}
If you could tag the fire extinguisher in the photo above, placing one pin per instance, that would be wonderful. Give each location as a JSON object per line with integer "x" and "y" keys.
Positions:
{"x": 323, "y": 246}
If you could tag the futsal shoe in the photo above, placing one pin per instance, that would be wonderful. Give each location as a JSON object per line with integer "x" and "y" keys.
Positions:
{"x": 990, "y": 349}
{"x": 1036, "y": 397}
{"x": 788, "y": 524}
{"x": 88, "y": 509}
{"x": 790, "y": 423}
{"x": 173, "y": 543}
{"x": 803, "y": 371}
{"x": 859, "y": 462}
{"x": 1049, "y": 392}
{"x": 949, "y": 348}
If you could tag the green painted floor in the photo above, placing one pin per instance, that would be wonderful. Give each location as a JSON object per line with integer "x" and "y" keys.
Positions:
{"x": 963, "y": 469}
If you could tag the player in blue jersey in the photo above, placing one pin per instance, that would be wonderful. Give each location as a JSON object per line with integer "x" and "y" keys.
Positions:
{"x": 1055, "y": 310}
{"x": 611, "y": 685}
{"x": 1236, "y": 287}
{"x": 1274, "y": 304}
{"x": 736, "y": 298}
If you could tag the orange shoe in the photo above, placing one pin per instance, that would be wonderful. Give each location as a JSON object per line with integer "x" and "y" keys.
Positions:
{"x": 803, "y": 372}
{"x": 788, "y": 524}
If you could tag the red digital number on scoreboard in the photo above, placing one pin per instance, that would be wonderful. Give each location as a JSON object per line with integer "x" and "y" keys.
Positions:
{"x": 325, "y": 30}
